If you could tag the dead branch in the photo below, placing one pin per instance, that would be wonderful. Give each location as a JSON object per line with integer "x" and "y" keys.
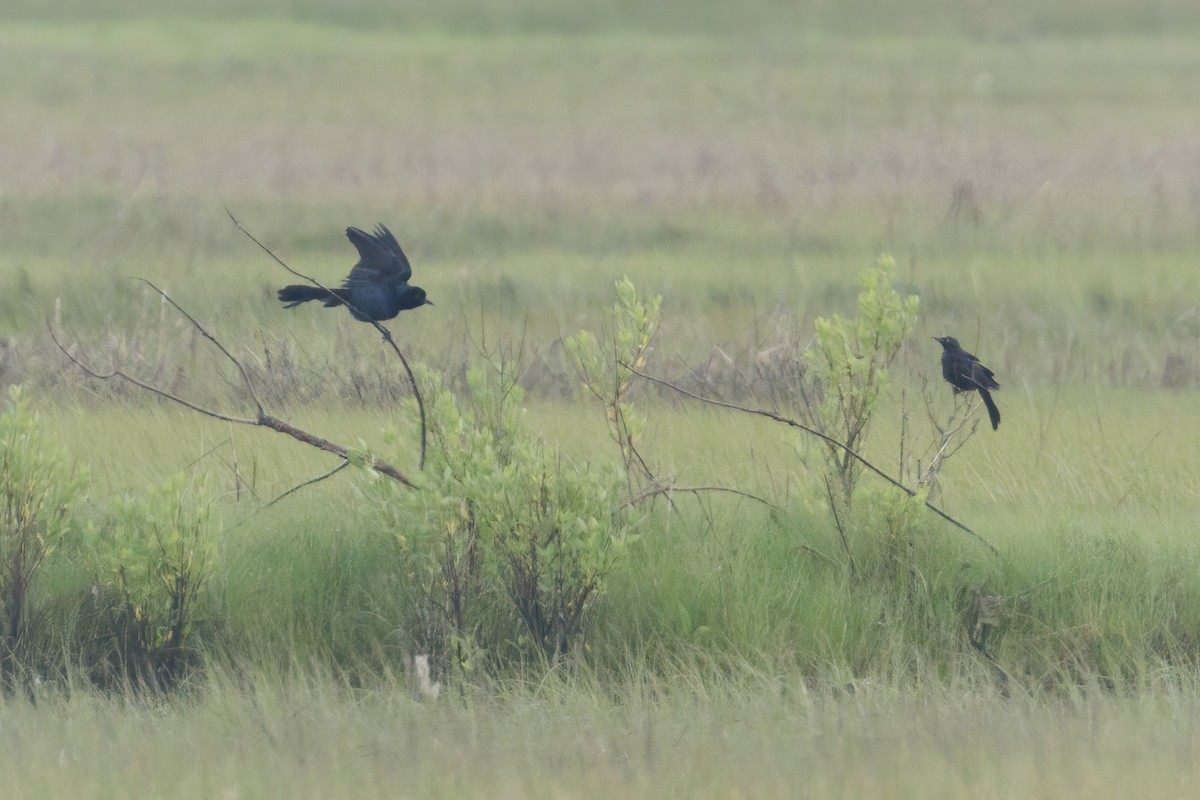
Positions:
{"x": 209, "y": 336}
{"x": 328, "y": 474}
{"x": 383, "y": 331}
{"x": 838, "y": 521}
{"x": 671, "y": 488}
{"x": 947, "y": 434}
{"x": 261, "y": 419}
{"x": 823, "y": 437}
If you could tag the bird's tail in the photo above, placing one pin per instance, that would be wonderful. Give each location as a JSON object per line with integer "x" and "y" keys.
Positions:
{"x": 295, "y": 295}
{"x": 993, "y": 412}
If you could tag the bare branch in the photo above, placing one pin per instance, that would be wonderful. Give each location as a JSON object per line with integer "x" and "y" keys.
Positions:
{"x": 277, "y": 259}
{"x": 261, "y": 420}
{"x": 838, "y": 521}
{"x": 206, "y": 454}
{"x": 412, "y": 380}
{"x": 116, "y": 373}
{"x": 670, "y": 488}
{"x": 946, "y": 434}
{"x": 332, "y": 447}
{"x": 209, "y": 336}
{"x": 825, "y": 438}
{"x": 310, "y": 482}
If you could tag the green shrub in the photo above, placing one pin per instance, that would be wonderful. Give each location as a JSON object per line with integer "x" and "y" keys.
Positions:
{"x": 605, "y": 367}
{"x": 152, "y": 559}
{"x": 37, "y": 491}
{"x": 509, "y": 542}
{"x": 848, "y": 367}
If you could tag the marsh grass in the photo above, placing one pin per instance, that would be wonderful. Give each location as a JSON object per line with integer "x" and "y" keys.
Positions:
{"x": 1093, "y": 585}
{"x": 1030, "y": 168}
{"x": 525, "y": 171}
{"x": 297, "y": 737}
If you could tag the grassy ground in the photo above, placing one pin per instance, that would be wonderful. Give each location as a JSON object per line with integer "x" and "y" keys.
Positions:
{"x": 1030, "y": 167}
{"x": 764, "y": 740}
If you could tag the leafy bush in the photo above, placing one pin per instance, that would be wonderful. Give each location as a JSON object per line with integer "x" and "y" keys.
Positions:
{"x": 505, "y": 529}
{"x": 152, "y": 559}
{"x": 37, "y": 491}
{"x": 605, "y": 367}
{"x": 849, "y": 369}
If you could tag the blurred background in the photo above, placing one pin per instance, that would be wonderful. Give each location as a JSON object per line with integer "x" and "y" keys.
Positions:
{"x": 1034, "y": 168}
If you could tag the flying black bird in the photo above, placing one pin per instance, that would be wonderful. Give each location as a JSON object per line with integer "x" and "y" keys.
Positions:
{"x": 964, "y": 372}
{"x": 376, "y": 289}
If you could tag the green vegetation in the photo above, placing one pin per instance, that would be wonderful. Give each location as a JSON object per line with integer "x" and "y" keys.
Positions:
{"x": 151, "y": 559}
{"x": 502, "y": 523}
{"x": 37, "y": 491}
{"x": 594, "y": 628}
{"x": 849, "y": 363}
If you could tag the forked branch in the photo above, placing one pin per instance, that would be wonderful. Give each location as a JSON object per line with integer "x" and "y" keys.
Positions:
{"x": 260, "y": 419}
{"x": 761, "y": 412}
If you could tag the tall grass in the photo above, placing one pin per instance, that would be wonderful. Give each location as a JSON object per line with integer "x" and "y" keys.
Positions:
{"x": 1028, "y": 167}
{"x": 761, "y": 736}
{"x": 1091, "y": 585}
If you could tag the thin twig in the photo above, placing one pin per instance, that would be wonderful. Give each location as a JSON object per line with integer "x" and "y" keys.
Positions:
{"x": 638, "y": 355}
{"x": 283, "y": 264}
{"x": 947, "y": 435}
{"x": 671, "y": 488}
{"x": 238, "y": 480}
{"x": 1136, "y": 460}
{"x": 310, "y": 482}
{"x": 116, "y": 373}
{"x": 838, "y": 521}
{"x": 245, "y": 377}
{"x": 823, "y": 437}
{"x": 383, "y": 331}
{"x": 205, "y": 454}
{"x": 412, "y": 380}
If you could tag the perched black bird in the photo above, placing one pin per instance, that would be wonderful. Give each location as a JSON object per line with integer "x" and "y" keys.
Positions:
{"x": 376, "y": 289}
{"x": 964, "y": 372}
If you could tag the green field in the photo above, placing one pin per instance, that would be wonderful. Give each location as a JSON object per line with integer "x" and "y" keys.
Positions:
{"x": 1031, "y": 168}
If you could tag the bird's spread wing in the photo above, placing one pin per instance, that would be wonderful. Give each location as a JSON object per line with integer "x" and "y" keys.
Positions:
{"x": 380, "y": 257}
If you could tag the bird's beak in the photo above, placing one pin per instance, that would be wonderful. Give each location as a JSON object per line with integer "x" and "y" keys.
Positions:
{"x": 427, "y": 302}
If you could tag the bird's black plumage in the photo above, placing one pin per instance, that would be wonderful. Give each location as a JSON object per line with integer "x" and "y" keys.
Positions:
{"x": 964, "y": 372}
{"x": 376, "y": 288}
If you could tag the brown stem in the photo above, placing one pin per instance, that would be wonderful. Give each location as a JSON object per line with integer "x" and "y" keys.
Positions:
{"x": 825, "y": 438}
